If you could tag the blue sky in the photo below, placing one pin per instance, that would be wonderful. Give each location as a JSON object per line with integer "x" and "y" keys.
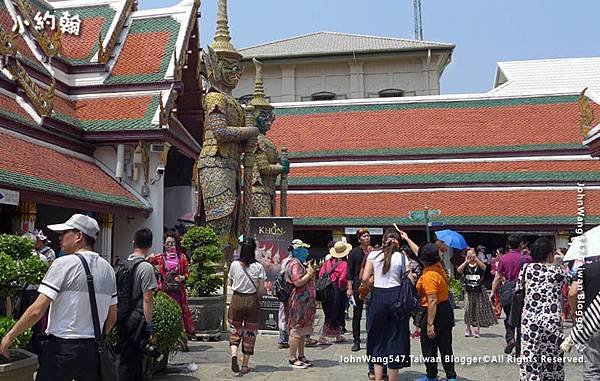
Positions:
{"x": 484, "y": 31}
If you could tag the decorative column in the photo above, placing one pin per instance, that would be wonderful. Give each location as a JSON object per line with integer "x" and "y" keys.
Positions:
{"x": 338, "y": 234}
{"x": 105, "y": 220}
{"x": 26, "y": 216}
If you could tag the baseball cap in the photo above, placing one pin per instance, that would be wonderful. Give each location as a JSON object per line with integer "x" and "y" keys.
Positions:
{"x": 86, "y": 225}
{"x": 297, "y": 243}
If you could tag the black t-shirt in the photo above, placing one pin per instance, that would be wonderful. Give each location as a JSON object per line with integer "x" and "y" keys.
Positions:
{"x": 473, "y": 278}
{"x": 591, "y": 282}
{"x": 355, "y": 259}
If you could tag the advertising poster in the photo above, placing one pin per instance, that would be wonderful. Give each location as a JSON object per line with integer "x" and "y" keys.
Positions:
{"x": 273, "y": 236}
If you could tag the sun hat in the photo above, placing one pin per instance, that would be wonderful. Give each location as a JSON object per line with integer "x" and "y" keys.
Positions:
{"x": 340, "y": 249}
{"x": 39, "y": 234}
{"x": 86, "y": 225}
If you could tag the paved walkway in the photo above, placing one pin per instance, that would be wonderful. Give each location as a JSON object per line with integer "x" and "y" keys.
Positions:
{"x": 269, "y": 363}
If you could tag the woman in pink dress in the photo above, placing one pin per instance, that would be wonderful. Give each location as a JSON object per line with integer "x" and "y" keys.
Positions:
{"x": 174, "y": 271}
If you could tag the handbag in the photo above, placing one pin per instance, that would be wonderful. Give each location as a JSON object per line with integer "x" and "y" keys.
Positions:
{"x": 408, "y": 302}
{"x": 324, "y": 285}
{"x": 365, "y": 288}
{"x": 507, "y": 290}
{"x": 106, "y": 355}
{"x": 169, "y": 282}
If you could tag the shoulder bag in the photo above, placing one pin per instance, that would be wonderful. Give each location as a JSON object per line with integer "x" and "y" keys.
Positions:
{"x": 249, "y": 277}
{"x": 106, "y": 357}
{"x": 516, "y": 310}
{"x": 507, "y": 290}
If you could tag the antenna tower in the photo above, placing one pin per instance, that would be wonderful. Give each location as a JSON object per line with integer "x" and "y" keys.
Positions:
{"x": 418, "y": 23}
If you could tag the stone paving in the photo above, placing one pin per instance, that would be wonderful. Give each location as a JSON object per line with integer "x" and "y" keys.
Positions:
{"x": 269, "y": 363}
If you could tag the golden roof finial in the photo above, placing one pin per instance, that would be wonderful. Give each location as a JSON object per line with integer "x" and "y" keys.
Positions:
{"x": 222, "y": 42}
{"x": 259, "y": 100}
{"x": 586, "y": 113}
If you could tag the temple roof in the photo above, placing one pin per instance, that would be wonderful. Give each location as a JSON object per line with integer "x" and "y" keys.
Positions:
{"x": 62, "y": 177}
{"x": 332, "y": 43}
{"x": 431, "y": 126}
{"x": 130, "y": 85}
{"x": 482, "y": 208}
{"x": 446, "y": 173}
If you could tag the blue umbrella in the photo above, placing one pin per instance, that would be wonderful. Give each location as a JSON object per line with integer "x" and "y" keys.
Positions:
{"x": 452, "y": 239}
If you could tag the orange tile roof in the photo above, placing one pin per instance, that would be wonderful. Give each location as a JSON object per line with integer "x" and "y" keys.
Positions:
{"x": 80, "y": 46}
{"x": 33, "y": 167}
{"x": 142, "y": 53}
{"x": 455, "y": 206}
{"x": 109, "y": 113}
{"x": 436, "y": 126}
{"x": 440, "y": 168}
{"x": 10, "y": 108}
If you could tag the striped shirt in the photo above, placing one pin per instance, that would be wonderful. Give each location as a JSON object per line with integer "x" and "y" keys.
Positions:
{"x": 70, "y": 315}
{"x": 590, "y": 324}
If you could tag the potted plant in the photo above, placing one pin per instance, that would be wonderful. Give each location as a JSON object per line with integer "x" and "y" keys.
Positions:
{"x": 202, "y": 244}
{"x": 18, "y": 267}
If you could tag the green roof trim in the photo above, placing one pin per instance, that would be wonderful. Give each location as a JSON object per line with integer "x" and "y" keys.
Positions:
{"x": 450, "y": 220}
{"x": 450, "y": 178}
{"x": 21, "y": 180}
{"x": 434, "y": 150}
{"x": 92, "y": 12}
{"x": 146, "y": 26}
{"x": 144, "y": 123}
{"x": 456, "y": 104}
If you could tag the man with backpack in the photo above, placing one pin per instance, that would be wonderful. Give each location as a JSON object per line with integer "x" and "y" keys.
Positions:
{"x": 136, "y": 283}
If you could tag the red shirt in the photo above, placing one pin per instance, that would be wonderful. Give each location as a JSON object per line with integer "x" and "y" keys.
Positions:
{"x": 510, "y": 264}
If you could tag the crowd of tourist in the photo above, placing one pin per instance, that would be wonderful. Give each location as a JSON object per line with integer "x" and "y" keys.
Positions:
{"x": 399, "y": 284}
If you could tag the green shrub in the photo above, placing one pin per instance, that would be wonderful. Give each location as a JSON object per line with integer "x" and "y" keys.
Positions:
{"x": 203, "y": 245}
{"x": 31, "y": 270}
{"x": 15, "y": 246}
{"x": 168, "y": 326}
{"x": 6, "y": 324}
{"x": 458, "y": 288}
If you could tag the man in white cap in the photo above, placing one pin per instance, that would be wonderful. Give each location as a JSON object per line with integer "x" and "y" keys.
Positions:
{"x": 70, "y": 353}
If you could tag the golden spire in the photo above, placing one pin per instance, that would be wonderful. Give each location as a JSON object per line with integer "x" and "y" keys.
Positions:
{"x": 259, "y": 100}
{"x": 222, "y": 42}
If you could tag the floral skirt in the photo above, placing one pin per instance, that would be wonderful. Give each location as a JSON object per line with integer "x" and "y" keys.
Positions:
{"x": 478, "y": 309}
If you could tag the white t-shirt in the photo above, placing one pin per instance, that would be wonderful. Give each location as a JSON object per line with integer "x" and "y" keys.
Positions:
{"x": 239, "y": 279}
{"x": 70, "y": 315}
{"x": 392, "y": 277}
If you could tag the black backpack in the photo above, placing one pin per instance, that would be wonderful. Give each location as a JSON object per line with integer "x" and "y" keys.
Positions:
{"x": 282, "y": 287}
{"x": 125, "y": 275}
{"x": 324, "y": 285}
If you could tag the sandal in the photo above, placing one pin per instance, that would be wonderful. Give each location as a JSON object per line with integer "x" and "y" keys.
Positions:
{"x": 340, "y": 339}
{"x": 324, "y": 341}
{"x": 310, "y": 342}
{"x": 295, "y": 363}
{"x": 235, "y": 367}
{"x": 305, "y": 360}
{"x": 245, "y": 369}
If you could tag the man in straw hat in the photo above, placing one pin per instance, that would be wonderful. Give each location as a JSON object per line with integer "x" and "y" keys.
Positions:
{"x": 70, "y": 352}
